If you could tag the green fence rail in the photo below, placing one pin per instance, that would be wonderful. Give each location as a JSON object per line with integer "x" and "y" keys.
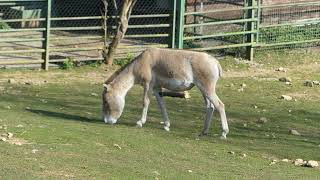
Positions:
{"x": 47, "y": 32}
{"x": 251, "y": 25}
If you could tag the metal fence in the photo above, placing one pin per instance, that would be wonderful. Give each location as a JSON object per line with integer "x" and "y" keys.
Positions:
{"x": 46, "y": 32}
{"x": 241, "y": 26}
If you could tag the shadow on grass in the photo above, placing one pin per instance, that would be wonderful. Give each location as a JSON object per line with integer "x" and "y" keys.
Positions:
{"x": 65, "y": 116}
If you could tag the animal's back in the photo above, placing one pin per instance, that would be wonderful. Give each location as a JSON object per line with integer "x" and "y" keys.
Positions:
{"x": 178, "y": 67}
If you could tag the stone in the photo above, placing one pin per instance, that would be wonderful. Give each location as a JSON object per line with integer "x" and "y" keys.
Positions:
{"x": 312, "y": 164}
{"x": 263, "y": 120}
{"x": 231, "y": 152}
{"x": 3, "y": 139}
{"x": 294, "y": 132}
{"x": 299, "y": 162}
{"x": 117, "y": 146}
{"x": 285, "y": 79}
{"x": 9, "y": 135}
{"x": 286, "y": 97}
{"x": 274, "y": 161}
{"x": 190, "y": 171}
{"x": 288, "y": 83}
{"x": 254, "y": 106}
{"x": 243, "y": 85}
{"x": 281, "y": 69}
{"x": 285, "y": 160}
{"x": 244, "y": 155}
{"x": 240, "y": 90}
{"x": 94, "y": 94}
{"x": 316, "y": 82}
{"x": 34, "y": 151}
{"x": 308, "y": 83}
{"x": 11, "y": 81}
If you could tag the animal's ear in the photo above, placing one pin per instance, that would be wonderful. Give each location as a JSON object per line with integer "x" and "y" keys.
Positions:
{"x": 106, "y": 86}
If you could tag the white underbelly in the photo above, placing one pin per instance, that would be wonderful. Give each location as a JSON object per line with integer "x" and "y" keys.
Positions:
{"x": 175, "y": 84}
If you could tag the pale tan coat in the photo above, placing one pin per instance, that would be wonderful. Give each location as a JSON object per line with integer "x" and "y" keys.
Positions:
{"x": 176, "y": 70}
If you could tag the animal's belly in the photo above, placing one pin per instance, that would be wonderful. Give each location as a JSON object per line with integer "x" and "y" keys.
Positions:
{"x": 175, "y": 84}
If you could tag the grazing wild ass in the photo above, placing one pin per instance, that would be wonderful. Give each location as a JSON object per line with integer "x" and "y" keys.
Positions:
{"x": 176, "y": 70}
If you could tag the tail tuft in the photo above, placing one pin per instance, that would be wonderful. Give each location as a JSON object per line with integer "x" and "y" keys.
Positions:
{"x": 220, "y": 69}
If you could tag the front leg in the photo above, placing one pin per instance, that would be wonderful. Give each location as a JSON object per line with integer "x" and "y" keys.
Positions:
{"x": 163, "y": 110}
{"x": 146, "y": 102}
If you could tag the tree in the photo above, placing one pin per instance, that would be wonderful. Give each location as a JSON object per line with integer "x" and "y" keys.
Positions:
{"x": 123, "y": 23}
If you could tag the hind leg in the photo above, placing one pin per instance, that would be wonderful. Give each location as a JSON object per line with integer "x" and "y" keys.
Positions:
{"x": 208, "y": 118}
{"x": 209, "y": 91}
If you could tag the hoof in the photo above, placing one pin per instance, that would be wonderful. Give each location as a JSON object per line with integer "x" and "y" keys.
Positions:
{"x": 139, "y": 124}
{"x": 223, "y": 137}
{"x": 166, "y": 128}
{"x": 204, "y": 134}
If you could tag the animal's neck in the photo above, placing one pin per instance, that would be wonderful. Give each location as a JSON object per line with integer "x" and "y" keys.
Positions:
{"x": 124, "y": 81}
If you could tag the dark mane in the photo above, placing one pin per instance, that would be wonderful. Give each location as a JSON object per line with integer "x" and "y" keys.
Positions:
{"x": 115, "y": 74}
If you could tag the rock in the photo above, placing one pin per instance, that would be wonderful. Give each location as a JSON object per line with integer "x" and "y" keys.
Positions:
{"x": 117, "y": 146}
{"x": 299, "y": 162}
{"x": 244, "y": 155}
{"x": 231, "y": 152}
{"x": 308, "y": 83}
{"x": 243, "y": 85}
{"x": 240, "y": 90}
{"x": 285, "y": 79}
{"x": 263, "y": 120}
{"x": 34, "y": 151}
{"x": 11, "y": 81}
{"x": 286, "y": 97}
{"x": 9, "y": 135}
{"x": 94, "y": 94}
{"x": 3, "y": 139}
{"x": 190, "y": 171}
{"x": 281, "y": 69}
{"x": 273, "y": 162}
{"x": 316, "y": 82}
{"x": 285, "y": 160}
{"x": 254, "y": 106}
{"x": 294, "y": 132}
{"x": 245, "y": 125}
{"x": 312, "y": 164}
{"x": 288, "y": 83}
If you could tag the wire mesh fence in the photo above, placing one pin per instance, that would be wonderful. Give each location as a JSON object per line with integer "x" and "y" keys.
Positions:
{"x": 51, "y": 31}
{"x": 21, "y": 31}
{"x": 289, "y": 24}
{"x": 149, "y": 26}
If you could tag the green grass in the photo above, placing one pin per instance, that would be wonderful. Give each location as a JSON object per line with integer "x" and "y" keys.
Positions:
{"x": 61, "y": 119}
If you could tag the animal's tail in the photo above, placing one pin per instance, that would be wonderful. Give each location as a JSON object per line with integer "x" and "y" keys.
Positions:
{"x": 220, "y": 69}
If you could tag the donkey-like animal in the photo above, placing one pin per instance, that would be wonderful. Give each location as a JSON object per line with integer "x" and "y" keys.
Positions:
{"x": 176, "y": 70}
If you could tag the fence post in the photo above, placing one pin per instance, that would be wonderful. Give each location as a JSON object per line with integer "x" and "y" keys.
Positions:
{"x": 46, "y": 35}
{"x": 172, "y": 44}
{"x": 250, "y": 27}
{"x": 180, "y": 23}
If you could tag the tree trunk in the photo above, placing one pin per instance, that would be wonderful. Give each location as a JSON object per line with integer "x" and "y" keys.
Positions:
{"x": 121, "y": 30}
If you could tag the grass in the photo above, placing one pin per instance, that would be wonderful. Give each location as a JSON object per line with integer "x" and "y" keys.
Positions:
{"x": 61, "y": 119}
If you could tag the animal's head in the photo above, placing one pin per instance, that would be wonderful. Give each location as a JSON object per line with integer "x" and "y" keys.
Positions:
{"x": 112, "y": 104}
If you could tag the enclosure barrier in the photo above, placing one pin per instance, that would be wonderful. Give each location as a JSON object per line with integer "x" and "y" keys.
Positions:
{"x": 46, "y": 32}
